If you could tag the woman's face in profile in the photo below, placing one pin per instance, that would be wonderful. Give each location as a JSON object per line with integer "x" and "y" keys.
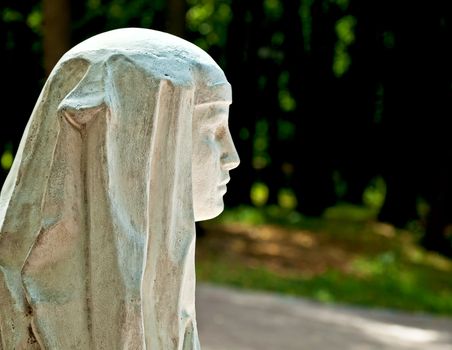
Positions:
{"x": 214, "y": 155}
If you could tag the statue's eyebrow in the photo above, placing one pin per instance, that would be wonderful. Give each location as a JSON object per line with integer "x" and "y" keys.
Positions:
{"x": 213, "y": 114}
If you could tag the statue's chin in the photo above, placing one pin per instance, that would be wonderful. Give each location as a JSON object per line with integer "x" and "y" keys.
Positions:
{"x": 208, "y": 213}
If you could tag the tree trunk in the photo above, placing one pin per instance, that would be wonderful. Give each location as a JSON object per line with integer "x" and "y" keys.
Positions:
{"x": 440, "y": 218}
{"x": 313, "y": 84}
{"x": 56, "y": 31}
{"x": 175, "y": 17}
{"x": 243, "y": 70}
{"x": 357, "y": 93}
{"x": 417, "y": 106}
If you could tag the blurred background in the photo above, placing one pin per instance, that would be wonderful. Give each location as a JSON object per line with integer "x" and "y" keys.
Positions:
{"x": 340, "y": 116}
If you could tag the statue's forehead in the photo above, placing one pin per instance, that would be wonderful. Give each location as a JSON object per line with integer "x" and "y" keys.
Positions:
{"x": 210, "y": 93}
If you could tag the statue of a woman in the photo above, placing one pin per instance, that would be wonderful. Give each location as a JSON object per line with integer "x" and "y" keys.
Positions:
{"x": 128, "y": 145}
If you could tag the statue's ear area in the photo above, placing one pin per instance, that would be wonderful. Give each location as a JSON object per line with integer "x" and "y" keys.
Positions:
{"x": 86, "y": 99}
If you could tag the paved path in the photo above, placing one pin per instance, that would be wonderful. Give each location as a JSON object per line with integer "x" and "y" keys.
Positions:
{"x": 230, "y": 319}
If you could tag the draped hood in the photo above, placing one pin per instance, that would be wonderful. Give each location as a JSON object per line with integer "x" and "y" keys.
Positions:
{"x": 97, "y": 231}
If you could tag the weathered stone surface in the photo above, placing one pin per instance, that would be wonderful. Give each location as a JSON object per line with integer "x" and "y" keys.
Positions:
{"x": 97, "y": 214}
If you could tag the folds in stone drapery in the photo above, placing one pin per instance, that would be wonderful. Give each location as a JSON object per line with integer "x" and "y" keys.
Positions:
{"x": 97, "y": 231}
{"x": 21, "y": 219}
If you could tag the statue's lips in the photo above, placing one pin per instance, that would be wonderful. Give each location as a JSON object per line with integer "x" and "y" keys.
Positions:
{"x": 224, "y": 182}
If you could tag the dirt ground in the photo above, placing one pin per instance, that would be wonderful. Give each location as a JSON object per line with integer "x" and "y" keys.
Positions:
{"x": 285, "y": 250}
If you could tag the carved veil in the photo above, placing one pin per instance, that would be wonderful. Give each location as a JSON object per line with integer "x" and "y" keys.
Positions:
{"x": 96, "y": 215}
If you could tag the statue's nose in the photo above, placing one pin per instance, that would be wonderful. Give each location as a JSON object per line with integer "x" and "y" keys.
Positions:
{"x": 230, "y": 158}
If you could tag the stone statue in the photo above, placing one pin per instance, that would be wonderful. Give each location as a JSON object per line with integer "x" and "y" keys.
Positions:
{"x": 128, "y": 145}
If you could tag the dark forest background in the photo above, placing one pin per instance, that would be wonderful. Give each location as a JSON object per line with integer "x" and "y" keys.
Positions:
{"x": 334, "y": 100}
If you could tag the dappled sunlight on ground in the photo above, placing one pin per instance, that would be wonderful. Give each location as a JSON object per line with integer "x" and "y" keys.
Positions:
{"x": 282, "y": 249}
{"x": 311, "y": 252}
{"x": 384, "y": 229}
{"x": 277, "y": 248}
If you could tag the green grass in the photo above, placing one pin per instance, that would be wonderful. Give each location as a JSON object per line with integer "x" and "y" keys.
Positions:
{"x": 386, "y": 269}
{"x": 397, "y": 291}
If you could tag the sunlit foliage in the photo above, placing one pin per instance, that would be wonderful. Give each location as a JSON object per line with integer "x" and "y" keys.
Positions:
{"x": 345, "y": 34}
{"x": 6, "y": 159}
{"x": 209, "y": 19}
